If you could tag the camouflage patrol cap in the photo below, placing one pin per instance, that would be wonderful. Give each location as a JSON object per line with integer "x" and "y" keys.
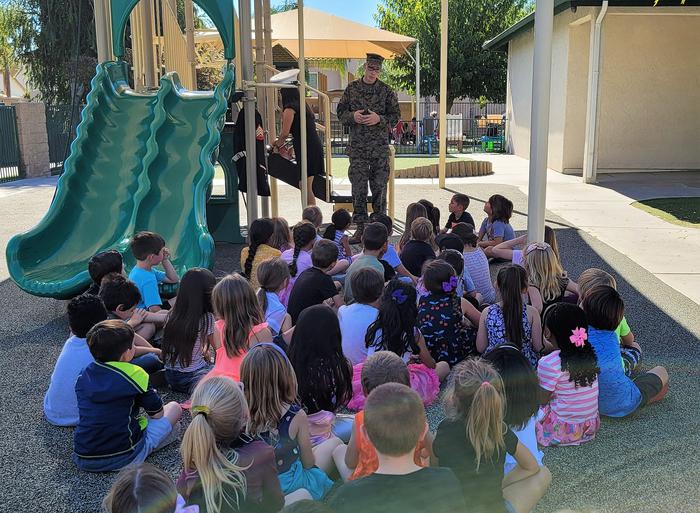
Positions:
{"x": 374, "y": 59}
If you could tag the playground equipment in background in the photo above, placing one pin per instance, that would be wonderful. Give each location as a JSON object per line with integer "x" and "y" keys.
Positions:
{"x": 139, "y": 161}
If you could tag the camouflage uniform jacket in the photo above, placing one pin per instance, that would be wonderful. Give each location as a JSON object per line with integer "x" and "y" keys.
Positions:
{"x": 377, "y": 97}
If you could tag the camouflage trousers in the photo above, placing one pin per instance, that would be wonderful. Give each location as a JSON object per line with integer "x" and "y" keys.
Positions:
{"x": 362, "y": 171}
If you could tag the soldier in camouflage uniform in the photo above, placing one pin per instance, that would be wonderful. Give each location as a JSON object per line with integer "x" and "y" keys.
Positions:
{"x": 368, "y": 107}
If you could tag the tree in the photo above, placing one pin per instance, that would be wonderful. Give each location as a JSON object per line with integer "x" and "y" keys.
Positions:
{"x": 13, "y": 24}
{"x": 49, "y": 46}
{"x": 472, "y": 71}
{"x": 283, "y": 6}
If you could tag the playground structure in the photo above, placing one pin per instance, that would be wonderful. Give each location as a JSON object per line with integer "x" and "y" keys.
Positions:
{"x": 143, "y": 159}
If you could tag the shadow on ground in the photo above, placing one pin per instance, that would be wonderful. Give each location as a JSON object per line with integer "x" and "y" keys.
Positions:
{"x": 646, "y": 463}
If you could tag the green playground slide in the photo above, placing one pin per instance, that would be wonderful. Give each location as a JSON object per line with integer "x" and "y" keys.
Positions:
{"x": 139, "y": 161}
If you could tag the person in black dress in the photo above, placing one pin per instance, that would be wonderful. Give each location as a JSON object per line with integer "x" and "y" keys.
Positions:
{"x": 314, "y": 149}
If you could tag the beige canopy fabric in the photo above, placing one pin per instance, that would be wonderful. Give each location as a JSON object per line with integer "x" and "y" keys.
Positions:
{"x": 328, "y": 37}
{"x": 331, "y": 37}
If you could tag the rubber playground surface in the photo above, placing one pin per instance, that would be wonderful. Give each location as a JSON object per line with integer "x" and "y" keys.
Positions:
{"x": 646, "y": 463}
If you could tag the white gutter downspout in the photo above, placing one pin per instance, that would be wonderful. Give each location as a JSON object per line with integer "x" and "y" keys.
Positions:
{"x": 590, "y": 155}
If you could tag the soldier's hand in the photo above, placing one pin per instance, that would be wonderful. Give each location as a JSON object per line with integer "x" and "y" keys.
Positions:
{"x": 372, "y": 118}
{"x": 359, "y": 117}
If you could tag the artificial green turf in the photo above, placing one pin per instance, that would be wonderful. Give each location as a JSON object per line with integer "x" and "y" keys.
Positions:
{"x": 682, "y": 211}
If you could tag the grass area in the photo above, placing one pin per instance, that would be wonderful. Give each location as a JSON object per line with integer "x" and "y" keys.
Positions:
{"x": 681, "y": 211}
{"x": 341, "y": 164}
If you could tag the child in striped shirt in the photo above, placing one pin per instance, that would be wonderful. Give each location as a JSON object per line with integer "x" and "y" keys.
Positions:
{"x": 568, "y": 378}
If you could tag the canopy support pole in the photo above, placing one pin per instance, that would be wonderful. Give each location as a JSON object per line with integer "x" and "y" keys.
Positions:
{"x": 418, "y": 111}
{"x": 249, "y": 105}
{"x": 260, "y": 76}
{"x": 303, "y": 161}
{"x": 147, "y": 45}
{"x": 270, "y": 100}
{"x": 539, "y": 124}
{"x": 443, "y": 94}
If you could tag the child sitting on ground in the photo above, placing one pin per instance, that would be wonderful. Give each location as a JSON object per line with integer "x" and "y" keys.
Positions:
{"x": 465, "y": 285}
{"x": 143, "y": 487}
{"x": 149, "y": 250}
{"x": 458, "y": 212}
{"x": 521, "y": 393}
{"x": 510, "y": 321}
{"x": 314, "y": 285}
{"x": 258, "y": 249}
{"x": 270, "y": 387}
{"x": 394, "y": 420}
{"x": 496, "y": 227}
{"x": 223, "y": 468}
{"x": 298, "y": 258}
{"x": 360, "y": 456}
{"x": 448, "y": 336}
{"x": 324, "y": 375}
{"x": 413, "y": 212}
{"x": 273, "y": 277}
{"x": 473, "y": 443}
{"x": 335, "y": 232}
{"x": 355, "y": 318}
{"x": 395, "y": 330}
{"x": 102, "y": 264}
{"x": 240, "y": 322}
{"x": 569, "y": 380}
{"x": 630, "y": 348}
{"x": 390, "y": 259}
{"x": 374, "y": 242}
{"x": 312, "y": 214}
{"x": 506, "y": 250}
{"x": 110, "y": 434}
{"x": 547, "y": 281}
{"x": 120, "y": 296}
{"x": 189, "y": 331}
{"x": 618, "y": 394}
{"x": 476, "y": 263}
{"x": 420, "y": 248}
{"x": 433, "y": 214}
{"x": 60, "y": 402}
{"x": 282, "y": 236}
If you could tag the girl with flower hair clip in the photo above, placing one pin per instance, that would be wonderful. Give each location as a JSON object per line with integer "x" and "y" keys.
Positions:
{"x": 395, "y": 330}
{"x": 568, "y": 378}
{"x": 449, "y": 336}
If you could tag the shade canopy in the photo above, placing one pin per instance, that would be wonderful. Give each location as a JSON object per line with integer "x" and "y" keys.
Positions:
{"x": 331, "y": 37}
{"x": 328, "y": 37}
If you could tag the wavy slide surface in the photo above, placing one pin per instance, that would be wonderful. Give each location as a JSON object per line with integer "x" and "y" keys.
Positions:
{"x": 139, "y": 161}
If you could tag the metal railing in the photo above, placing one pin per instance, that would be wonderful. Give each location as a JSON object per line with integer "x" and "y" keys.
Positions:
{"x": 60, "y": 133}
{"x": 408, "y": 137}
{"x": 9, "y": 147}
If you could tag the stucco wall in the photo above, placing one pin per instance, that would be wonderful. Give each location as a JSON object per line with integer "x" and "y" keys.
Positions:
{"x": 519, "y": 91}
{"x": 650, "y": 93}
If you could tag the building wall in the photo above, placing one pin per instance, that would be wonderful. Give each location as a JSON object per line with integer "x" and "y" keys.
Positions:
{"x": 650, "y": 93}
{"x": 519, "y": 90}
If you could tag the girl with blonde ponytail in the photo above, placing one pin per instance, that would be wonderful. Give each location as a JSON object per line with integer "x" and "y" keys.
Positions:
{"x": 473, "y": 441}
{"x": 225, "y": 470}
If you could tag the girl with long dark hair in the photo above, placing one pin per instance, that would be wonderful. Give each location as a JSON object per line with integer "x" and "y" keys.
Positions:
{"x": 511, "y": 321}
{"x": 314, "y": 148}
{"x": 189, "y": 331}
{"x": 324, "y": 375}
{"x": 569, "y": 379}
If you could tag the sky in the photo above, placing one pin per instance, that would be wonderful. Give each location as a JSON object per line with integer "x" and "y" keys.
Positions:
{"x": 361, "y": 11}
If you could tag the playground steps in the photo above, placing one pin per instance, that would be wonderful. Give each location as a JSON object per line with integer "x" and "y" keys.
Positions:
{"x": 460, "y": 168}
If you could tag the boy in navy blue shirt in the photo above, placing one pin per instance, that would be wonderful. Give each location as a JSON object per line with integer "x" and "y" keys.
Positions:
{"x": 458, "y": 212}
{"x": 149, "y": 251}
{"x": 111, "y": 392}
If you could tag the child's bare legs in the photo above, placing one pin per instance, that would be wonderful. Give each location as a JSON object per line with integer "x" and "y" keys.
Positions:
{"x": 523, "y": 489}
{"x": 339, "y": 460}
{"x": 443, "y": 370}
{"x": 298, "y": 495}
{"x": 172, "y": 411}
{"x": 146, "y": 330}
{"x": 323, "y": 453}
{"x": 339, "y": 268}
